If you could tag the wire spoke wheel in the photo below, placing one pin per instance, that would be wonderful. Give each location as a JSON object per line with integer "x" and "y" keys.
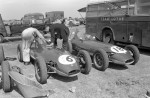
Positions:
{"x": 82, "y": 61}
{"x": 85, "y": 61}
{"x": 100, "y": 59}
{"x": 40, "y": 70}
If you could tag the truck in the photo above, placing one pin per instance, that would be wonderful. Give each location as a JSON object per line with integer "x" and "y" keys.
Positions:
{"x": 53, "y": 16}
{"x": 34, "y": 19}
{"x": 121, "y": 21}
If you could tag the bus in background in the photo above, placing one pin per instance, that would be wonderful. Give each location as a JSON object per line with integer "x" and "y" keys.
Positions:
{"x": 33, "y": 18}
{"x": 53, "y": 16}
{"x": 121, "y": 21}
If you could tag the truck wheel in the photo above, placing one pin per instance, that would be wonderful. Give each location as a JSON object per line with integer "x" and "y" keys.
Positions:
{"x": 69, "y": 46}
{"x": 85, "y": 61}
{"x": 2, "y": 57}
{"x": 100, "y": 59}
{"x": 107, "y": 37}
{"x": 40, "y": 70}
{"x": 7, "y": 83}
{"x": 1, "y": 38}
{"x": 134, "y": 52}
{"x": 20, "y": 53}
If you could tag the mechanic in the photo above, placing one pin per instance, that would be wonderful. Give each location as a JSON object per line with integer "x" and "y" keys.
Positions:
{"x": 28, "y": 36}
{"x": 60, "y": 32}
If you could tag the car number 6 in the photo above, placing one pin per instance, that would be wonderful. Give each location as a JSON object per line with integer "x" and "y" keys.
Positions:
{"x": 66, "y": 59}
{"x": 69, "y": 58}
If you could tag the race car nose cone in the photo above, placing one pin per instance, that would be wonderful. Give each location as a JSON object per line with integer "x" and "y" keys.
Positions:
{"x": 121, "y": 57}
{"x": 68, "y": 68}
{"x": 74, "y": 72}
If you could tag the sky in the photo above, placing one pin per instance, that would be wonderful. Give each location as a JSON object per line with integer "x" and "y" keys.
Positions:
{"x": 15, "y": 9}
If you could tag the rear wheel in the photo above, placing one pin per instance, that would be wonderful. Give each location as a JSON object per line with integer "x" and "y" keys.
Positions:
{"x": 6, "y": 80}
{"x": 107, "y": 37}
{"x": 134, "y": 52}
{"x": 85, "y": 61}
{"x": 2, "y": 57}
{"x": 20, "y": 53}
{"x": 100, "y": 59}
{"x": 40, "y": 70}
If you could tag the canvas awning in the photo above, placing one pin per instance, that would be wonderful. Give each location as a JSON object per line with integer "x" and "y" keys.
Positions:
{"x": 82, "y": 9}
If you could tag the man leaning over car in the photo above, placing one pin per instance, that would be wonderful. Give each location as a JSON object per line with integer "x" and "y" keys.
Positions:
{"x": 28, "y": 36}
{"x": 60, "y": 32}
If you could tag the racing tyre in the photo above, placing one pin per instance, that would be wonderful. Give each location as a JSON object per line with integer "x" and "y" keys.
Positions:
{"x": 2, "y": 57}
{"x": 134, "y": 52}
{"x": 107, "y": 37}
{"x": 85, "y": 61}
{"x": 100, "y": 59}
{"x": 70, "y": 46}
{"x": 40, "y": 70}
{"x": 20, "y": 53}
{"x": 7, "y": 83}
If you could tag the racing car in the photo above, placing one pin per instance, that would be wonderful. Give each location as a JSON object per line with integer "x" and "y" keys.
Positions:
{"x": 48, "y": 59}
{"x": 103, "y": 53}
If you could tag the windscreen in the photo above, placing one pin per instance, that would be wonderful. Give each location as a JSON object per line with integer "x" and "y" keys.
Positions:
{"x": 143, "y": 7}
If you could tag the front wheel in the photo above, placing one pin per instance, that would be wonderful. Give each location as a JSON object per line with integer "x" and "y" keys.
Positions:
{"x": 85, "y": 61}
{"x": 100, "y": 59}
{"x": 134, "y": 53}
{"x": 7, "y": 83}
{"x": 40, "y": 70}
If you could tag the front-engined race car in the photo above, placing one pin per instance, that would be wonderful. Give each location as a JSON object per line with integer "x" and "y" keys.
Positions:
{"x": 103, "y": 53}
{"x": 53, "y": 60}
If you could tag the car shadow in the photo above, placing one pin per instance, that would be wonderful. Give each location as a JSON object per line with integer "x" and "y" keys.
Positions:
{"x": 144, "y": 52}
{"x": 117, "y": 66}
{"x": 17, "y": 90}
{"x": 63, "y": 78}
{"x": 114, "y": 66}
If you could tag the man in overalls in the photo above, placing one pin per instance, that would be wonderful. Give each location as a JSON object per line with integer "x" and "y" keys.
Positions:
{"x": 28, "y": 36}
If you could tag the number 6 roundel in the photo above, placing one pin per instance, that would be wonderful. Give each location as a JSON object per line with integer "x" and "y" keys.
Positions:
{"x": 66, "y": 59}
